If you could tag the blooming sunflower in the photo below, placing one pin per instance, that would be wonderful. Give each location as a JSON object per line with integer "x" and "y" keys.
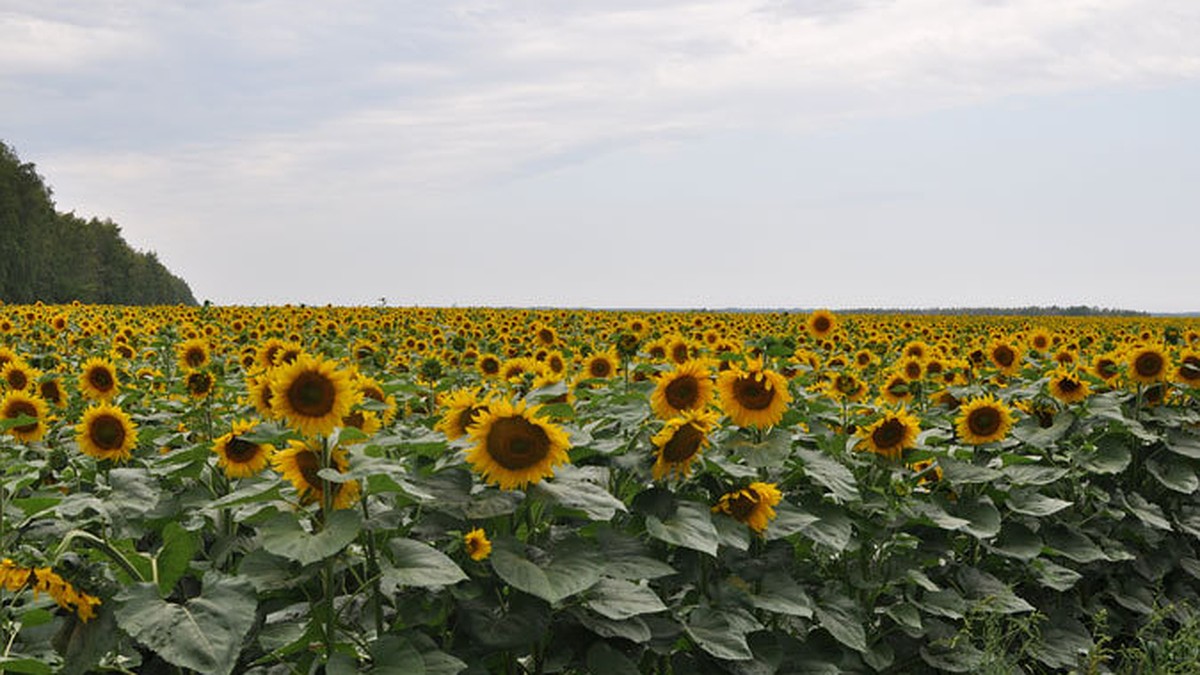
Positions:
{"x": 98, "y": 381}
{"x": 365, "y": 421}
{"x": 1068, "y": 387}
{"x": 891, "y": 434}
{"x": 846, "y": 386}
{"x": 600, "y": 366}
{"x": 754, "y": 397}
{"x": 52, "y": 392}
{"x": 199, "y": 383}
{"x": 1148, "y": 364}
{"x": 1105, "y": 367}
{"x": 241, "y": 458}
{"x": 688, "y": 387}
{"x": 462, "y": 409}
{"x": 1188, "y": 371}
{"x": 19, "y": 403}
{"x": 753, "y": 505}
{"x": 258, "y": 388}
{"x": 821, "y": 323}
{"x": 896, "y": 390}
{"x": 1006, "y": 357}
{"x": 18, "y": 376}
{"x": 312, "y": 394}
{"x": 300, "y": 464}
{"x": 488, "y": 365}
{"x": 514, "y": 448}
{"x": 477, "y": 544}
{"x": 193, "y": 354}
{"x": 983, "y": 420}
{"x": 680, "y": 441}
{"x": 106, "y": 432}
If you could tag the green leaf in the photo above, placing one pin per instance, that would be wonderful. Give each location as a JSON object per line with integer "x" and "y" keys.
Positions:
{"x": 393, "y": 655}
{"x": 572, "y": 569}
{"x": 1110, "y": 456}
{"x": 1175, "y": 473}
{"x": 1030, "y": 432}
{"x": 990, "y": 594}
{"x": 604, "y": 659}
{"x": 781, "y": 594}
{"x": 962, "y": 657}
{"x": 983, "y": 518}
{"x": 843, "y": 619}
{"x": 731, "y": 533}
{"x": 946, "y": 602}
{"x": 906, "y": 616}
{"x": 633, "y": 629}
{"x": 1018, "y": 541}
{"x": 788, "y": 521}
{"x": 1034, "y": 504}
{"x": 593, "y": 500}
{"x": 415, "y": 563}
{"x": 934, "y": 513}
{"x": 437, "y": 662}
{"x": 1072, "y": 544}
{"x": 1052, "y": 575}
{"x": 204, "y": 634}
{"x": 1183, "y": 443}
{"x": 833, "y": 527}
{"x": 1063, "y": 641}
{"x": 269, "y": 572}
{"x": 690, "y": 526}
{"x": 1032, "y": 474}
{"x": 175, "y": 556}
{"x": 773, "y": 452}
{"x": 13, "y": 664}
{"x": 716, "y": 633}
{"x": 831, "y": 474}
{"x": 620, "y": 600}
{"x": 1150, "y": 514}
{"x": 283, "y": 536}
{"x": 958, "y": 472}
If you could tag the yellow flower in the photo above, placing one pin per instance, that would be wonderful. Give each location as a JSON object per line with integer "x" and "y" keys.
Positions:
{"x": 753, "y": 505}
{"x": 462, "y": 409}
{"x": 106, "y": 432}
{"x": 300, "y": 464}
{"x": 312, "y": 394}
{"x": 1068, "y": 387}
{"x": 98, "y": 381}
{"x": 983, "y": 420}
{"x": 18, "y": 403}
{"x": 1148, "y": 364}
{"x": 680, "y": 441}
{"x": 477, "y": 544}
{"x": 193, "y": 354}
{"x": 688, "y": 387}
{"x": 891, "y": 434}
{"x": 513, "y": 448}
{"x": 753, "y": 397}
{"x": 239, "y": 457}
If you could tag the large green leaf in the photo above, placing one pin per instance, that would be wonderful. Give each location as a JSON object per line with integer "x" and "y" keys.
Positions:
{"x": 569, "y": 489}
{"x": 983, "y": 518}
{"x": 843, "y": 618}
{"x": 1182, "y": 443}
{"x": 1150, "y": 514}
{"x": 1033, "y": 503}
{"x": 831, "y": 474}
{"x": 833, "y": 527}
{"x": 204, "y": 634}
{"x": 283, "y": 536}
{"x": 415, "y": 563}
{"x": 1111, "y": 455}
{"x": 958, "y": 472}
{"x": 1052, "y": 575}
{"x": 603, "y": 659}
{"x": 1029, "y": 431}
{"x": 717, "y": 632}
{"x": 620, "y": 600}
{"x": 781, "y": 594}
{"x": 1033, "y": 474}
{"x": 571, "y": 569}
{"x": 1072, "y": 544}
{"x": 175, "y": 556}
{"x": 1175, "y": 473}
{"x": 1017, "y": 541}
{"x": 690, "y": 526}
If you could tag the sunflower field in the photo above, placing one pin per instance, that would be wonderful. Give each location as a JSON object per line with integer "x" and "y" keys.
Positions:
{"x": 340, "y": 490}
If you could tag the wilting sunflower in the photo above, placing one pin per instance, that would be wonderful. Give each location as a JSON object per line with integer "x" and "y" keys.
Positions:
{"x": 983, "y": 420}
{"x": 106, "y": 432}
{"x": 513, "y": 447}
{"x": 1067, "y": 386}
{"x": 1148, "y": 364}
{"x": 462, "y": 409}
{"x": 199, "y": 383}
{"x": 193, "y": 354}
{"x": 688, "y": 387}
{"x": 300, "y": 464}
{"x": 477, "y": 544}
{"x": 19, "y": 403}
{"x": 680, "y": 441}
{"x": 891, "y": 434}
{"x": 821, "y": 323}
{"x": 241, "y": 458}
{"x": 753, "y": 505}
{"x": 754, "y": 397}
{"x": 312, "y": 394}
{"x": 98, "y": 381}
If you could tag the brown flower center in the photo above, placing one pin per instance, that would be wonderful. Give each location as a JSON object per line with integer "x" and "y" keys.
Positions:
{"x": 1190, "y": 369}
{"x": 107, "y": 432}
{"x": 822, "y": 324}
{"x": 311, "y": 394}
{"x": 17, "y": 379}
{"x": 310, "y": 466}
{"x": 752, "y": 394}
{"x": 984, "y": 421}
{"x": 1148, "y": 364}
{"x": 1004, "y": 355}
{"x": 889, "y": 434}
{"x": 741, "y": 505}
{"x": 100, "y": 379}
{"x": 51, "y": 392}
{"x": 468, "y": 417}
{"x": 515, "y": 443}
{"x": 1068, "y": 386}
{"x": 19, "y": 408}
{"x": 240, "y": 451}
{"x": 600, "y": 368}
{"x": 194, "y": 357}
{"x": 683, "y": 392}
{"x": 683, "y": 445}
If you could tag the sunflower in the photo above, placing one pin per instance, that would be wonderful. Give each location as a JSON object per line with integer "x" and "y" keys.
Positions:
{"x": 258, "y": 388}
{"x": 821, "y": 323}
{"x": 241, "y": 458}
{"x": 462, "y": 409}
{"x": 477, "y": 544}
{"x": 18, "y": 376}
{"x": 193, "y": 354}
{"x": 1105, "y": 367}
{"x": 1148, "y": 364}
{"x": 680, "y": 441}
{"x": 488, "y": 365}
{"x": 911, "y": 368}
{"x": 514, "y": 448}
{"x": 370, "y": 388}
{"x": 199, "y": 383}
{"x": 1188, "y": 371}
{"x": 896, "y": 390}
{"x": 300, "y": 464}
{"x": 106, "y": 432}
{"x": 98, "y": 381}
{"x": 267, "y": 352}
{"x": 688, "y": 387}
{"x": 1006, "y": 357}
{"x": 312, "y": 394}
{"x": 891, "y": 434}
{"x": 753, "y": 505}
{"x": 365, "y": 421}
{"x": 846, "y": 386}
{"x": 18, "y": 403}
{"x": 1068, "y": 387}
{"x": 983, "y": 420}
{"x": 600, "y": 366}
{"x": 753, "y": 397}
{"x": 52, "y": 392}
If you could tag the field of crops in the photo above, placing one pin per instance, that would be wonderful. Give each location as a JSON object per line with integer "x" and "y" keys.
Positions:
{"x": 295, "y": 490}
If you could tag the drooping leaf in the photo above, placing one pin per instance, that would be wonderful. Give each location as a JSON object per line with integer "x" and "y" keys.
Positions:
{"x": 1175, "y": 473}
{"x": 830, "y": 474}
{"x": 843, "y": 618}
{"x": 780, "y": 593}
{"x": 620, "y": 600}
{"x": 690, "y": 526}
{"x": 717, "y": 633}
{"x": 572, "y": 569}
{"x": 415, "y": 563}
{"x": 283, "y": 536}
{"x": 1033, "y": 503}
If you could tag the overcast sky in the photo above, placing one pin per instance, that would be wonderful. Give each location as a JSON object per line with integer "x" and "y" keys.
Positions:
{"x": 622, "y": 153}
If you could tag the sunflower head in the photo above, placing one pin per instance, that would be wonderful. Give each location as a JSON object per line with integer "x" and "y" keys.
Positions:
{"x": 300, "y": 464}
{"x": 1005, "y": 357}
{"x": 1067, "y": 386}
{"x": 18, "y": 376}
{"x": 600, "y": 366}
{"x": 890, "y": 435}
{"x": 52, "y": 392}
{"x": 821, "y": 323}
{"x": 98, "y": 381}
{"x": 461, "y": 409}
{"x": 1188, "y": 371}
{"x": 199, "y": 383}
{"x": 193, "y": 354}
{"x": 753, "y": 505}
{"x": 513, "y": 447}
{"x": 754, "y": 396}
{"x": 477, "y": 544}
{"x": 688, "y": 387}
{"x": 680, "y": 441}
{"x": 313, "y": 395}
{"x": 1148, "y": 364}
{"x": 983, "y": 420}
{"x": 240, "y": 457}
{"x": 106, "y": 432}
{"x": 16, "y": 404}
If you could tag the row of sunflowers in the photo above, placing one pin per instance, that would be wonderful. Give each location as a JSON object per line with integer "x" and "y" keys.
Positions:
{"x": 281, "y": 489}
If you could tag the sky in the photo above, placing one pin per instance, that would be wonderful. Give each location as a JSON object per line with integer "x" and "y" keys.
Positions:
{"x": 621, "y": 153}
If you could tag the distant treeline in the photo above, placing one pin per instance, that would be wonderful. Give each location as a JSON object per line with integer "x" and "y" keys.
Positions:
{"x": 58, "y": 257}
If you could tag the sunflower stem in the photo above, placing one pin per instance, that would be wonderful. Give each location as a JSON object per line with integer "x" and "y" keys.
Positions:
{"x": 373, "y": 569}
{"x": 327, "y": 569}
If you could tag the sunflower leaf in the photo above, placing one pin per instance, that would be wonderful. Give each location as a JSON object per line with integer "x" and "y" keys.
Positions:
{"x": 283, "y": 536}
{"x": 572, "y": 569}
{"x": 830, "y": 474}
{"x": 416, "y": 563}
{"x": 690, "y": 526}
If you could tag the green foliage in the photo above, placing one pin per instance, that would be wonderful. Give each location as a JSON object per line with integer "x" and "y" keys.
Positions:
{"x": 58, "y": 257}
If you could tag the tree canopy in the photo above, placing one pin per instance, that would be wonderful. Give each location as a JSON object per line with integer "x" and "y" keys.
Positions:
{"x": 58, "y": 257}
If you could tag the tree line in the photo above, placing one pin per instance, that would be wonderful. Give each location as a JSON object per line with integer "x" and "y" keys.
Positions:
{"x": 59, "y": 257}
